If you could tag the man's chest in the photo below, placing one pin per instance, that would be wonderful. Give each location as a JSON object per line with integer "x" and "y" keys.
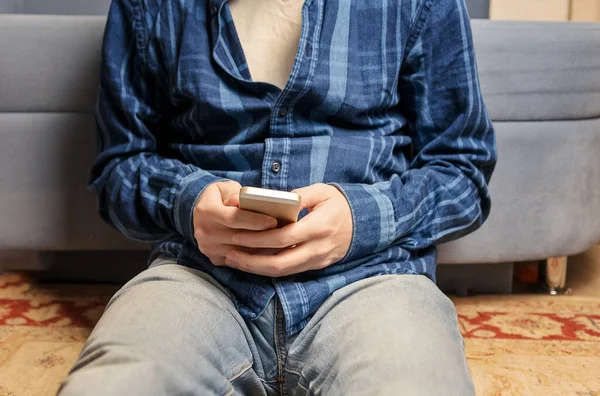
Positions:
{"x": 344, "y": 68}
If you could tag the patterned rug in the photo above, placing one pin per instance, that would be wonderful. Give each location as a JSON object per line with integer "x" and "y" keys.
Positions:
{"x": 516, "y": 345}
{"x": 532, "y": 344}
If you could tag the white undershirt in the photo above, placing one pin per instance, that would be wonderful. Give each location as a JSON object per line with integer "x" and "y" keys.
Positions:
{"x": 269, "y": 31}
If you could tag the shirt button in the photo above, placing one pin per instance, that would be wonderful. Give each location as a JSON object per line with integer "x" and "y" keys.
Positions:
{"x": 283, "y": 111}
{"x": 308, "y": 49}
{"x": 214, "y": 10}
{"x": 276, "y": 167}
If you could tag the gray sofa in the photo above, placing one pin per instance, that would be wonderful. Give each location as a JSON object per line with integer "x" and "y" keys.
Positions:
{"x": 541, "y": 83}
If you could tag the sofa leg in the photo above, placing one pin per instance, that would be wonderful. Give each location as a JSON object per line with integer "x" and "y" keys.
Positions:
{"x": 553, "y": 276}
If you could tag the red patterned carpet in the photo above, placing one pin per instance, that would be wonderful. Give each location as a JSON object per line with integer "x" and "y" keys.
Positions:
{"x": 532, "y": 344}
{"x": 42, "y": 330}
{"x": 516, "y": 345}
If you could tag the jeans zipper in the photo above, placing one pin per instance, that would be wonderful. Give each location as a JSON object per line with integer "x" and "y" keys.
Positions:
{"x": 280, "y": 345}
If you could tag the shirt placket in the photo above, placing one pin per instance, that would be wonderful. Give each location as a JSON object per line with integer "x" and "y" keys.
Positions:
{"x": 279, "y": 144}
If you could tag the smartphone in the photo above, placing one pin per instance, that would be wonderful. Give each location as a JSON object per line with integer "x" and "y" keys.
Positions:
{"x": 284, "y": 206}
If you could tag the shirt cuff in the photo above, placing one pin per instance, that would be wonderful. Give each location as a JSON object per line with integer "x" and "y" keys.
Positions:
{"x": 188, "y": 192}
{"x": 372, "y": 218}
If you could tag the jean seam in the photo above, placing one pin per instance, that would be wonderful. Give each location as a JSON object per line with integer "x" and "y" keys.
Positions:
{"x": 280, "y": 346}
{"x": 302, "y": 386}
{"x": 296, "y": 371}
{"x": 244, "y": 370}
{"x": 264, "y": 381}
{"x": 301, "y": 378}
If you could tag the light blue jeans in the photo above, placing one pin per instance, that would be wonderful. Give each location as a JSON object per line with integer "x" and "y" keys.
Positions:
{"x": 173, "y": 330}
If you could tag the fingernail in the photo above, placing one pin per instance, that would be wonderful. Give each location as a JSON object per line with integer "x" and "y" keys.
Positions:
{"x": 226, "y": 201}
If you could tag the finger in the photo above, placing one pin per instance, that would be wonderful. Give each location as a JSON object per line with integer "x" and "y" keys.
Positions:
{"x": 217, "y": 255}
{"x": 221, "y": 250}
{"x": 230, "y": 192}
{"x": 218, "y": 261}
{"x": 310, "y": 227}
{"x": 217, "y": 250}
{"x": 282, "y": 264}
{"x": 214, "y": 234}
{"x": 313, "y": 195}
{"x": 242, "y": 219}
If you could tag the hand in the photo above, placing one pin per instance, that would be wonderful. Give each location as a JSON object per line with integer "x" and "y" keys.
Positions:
{"x": 318, "y": 240}
{"x": 217, "y": 219}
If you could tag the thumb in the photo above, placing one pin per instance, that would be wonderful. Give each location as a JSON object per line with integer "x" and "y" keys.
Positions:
{"x": 230, "y": 193}
{"x": 313, "y": 195}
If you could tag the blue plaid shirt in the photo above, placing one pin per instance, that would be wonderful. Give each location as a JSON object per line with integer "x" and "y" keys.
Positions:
{"x": 383, "y": 101}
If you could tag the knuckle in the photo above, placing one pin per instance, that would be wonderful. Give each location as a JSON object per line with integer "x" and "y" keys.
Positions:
{"x": 276, "y": 272}
{"x": 329, "y": 228}
{"x": 324, "y": 263}
{"x": 266, "y": 223}
{"x": 322, "y": 250}
{"x": 275, "y": 268}
{"x": 201, "y": 213}
{"x": 199, "y": 235}
{"x": 243, "y": 266}
{"x": 208, "y": 250}
{"x": 227, "y": 187}
{"x": 284, "y": 240}
{"x": 279, "y": 241}
{"x": 221, "y": 185}
{"x": 230, "y": 219}
{"x": 201, "y": 205}
{"x": 234, "y": 239}
{"x": 218, "y": 261}
{"x": 202, "y": 230}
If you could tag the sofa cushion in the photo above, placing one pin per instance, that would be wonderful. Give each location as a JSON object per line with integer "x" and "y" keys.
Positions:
{"x": 532, "y": 71}
{"x": 49, "y": 63}
{"x": 44, "y": 203}
{"x": 545, "y": 195}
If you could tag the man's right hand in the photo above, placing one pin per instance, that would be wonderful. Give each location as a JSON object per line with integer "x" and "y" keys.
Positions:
{"x": 217, "y": 217}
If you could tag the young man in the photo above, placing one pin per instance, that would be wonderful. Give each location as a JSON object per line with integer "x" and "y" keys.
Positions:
{"x": 371, "y": 111}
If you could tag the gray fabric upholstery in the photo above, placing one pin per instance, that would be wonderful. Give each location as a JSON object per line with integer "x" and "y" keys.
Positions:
{"x": 545, "y": 189}
{"x": 44, "y": 203}
{"x": 49, "y": 63}
{"x": 534, "y": 71}
{"x": 545, "y": 195}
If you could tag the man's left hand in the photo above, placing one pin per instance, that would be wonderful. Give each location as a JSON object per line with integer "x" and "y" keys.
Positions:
{"x": 318, "y": 240}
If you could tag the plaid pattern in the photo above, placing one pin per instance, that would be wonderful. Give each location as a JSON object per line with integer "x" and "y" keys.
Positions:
{"x": 383, "y": 101}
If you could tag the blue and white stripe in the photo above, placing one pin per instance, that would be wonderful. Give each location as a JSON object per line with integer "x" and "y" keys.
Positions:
{"x": 177, "y": 111}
